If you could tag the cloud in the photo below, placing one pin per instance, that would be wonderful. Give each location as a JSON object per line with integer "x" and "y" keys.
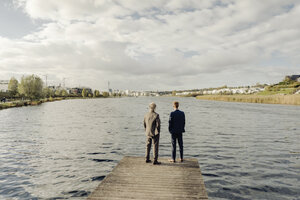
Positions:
{"x": 157, "y": 44}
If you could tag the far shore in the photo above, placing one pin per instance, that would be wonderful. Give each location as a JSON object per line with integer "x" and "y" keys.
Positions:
{"x": 293, "y": 99}
{"x": 20, "y": 103}
{"x": 266, "y": 99}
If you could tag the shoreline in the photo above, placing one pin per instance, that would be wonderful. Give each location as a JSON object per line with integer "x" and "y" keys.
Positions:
{"x": 21, "y": 103}
{"x": 265, "y": 99}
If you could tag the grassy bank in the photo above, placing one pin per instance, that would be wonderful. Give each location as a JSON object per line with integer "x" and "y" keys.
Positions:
{"x": 269, "y": 99}
{"x": 20, "y": 103}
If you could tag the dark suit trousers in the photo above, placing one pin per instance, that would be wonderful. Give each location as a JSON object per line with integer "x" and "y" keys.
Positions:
{"x": 155, "y": 141}
{"x": 178, "y": 137}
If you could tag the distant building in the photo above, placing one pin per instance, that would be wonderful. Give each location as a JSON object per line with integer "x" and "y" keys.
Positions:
{"x": 52, "y": 87}
{"x": 4, "y": 85}
{"x": 294, "y": 77}
{"x": 78, "y": 91}
{"x": 59, "y": 87}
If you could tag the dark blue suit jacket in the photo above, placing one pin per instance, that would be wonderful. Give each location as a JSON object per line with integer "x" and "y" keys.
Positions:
{"x": 176, "y": 122}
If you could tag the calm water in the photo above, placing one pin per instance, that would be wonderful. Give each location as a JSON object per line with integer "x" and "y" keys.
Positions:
{"x": 64, "y": 149}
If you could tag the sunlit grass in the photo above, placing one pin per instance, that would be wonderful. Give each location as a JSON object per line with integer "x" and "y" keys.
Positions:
{"x": 269, "y": 99}
{"x": 20, "y": 103}
{"x": 279, "y": 91}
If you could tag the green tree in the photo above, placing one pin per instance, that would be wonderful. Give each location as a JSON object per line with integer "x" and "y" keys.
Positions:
{"x": 64, "y": 93}
{"x": 96, "y": 93}
{"x": 31, "y": 87}
{"x": 58, "y": 93}
{"x": 174, "y": 93}
{"x": 105, "y": 94}
{"x": 13, "y": 86}
{"x": 48, "y": 92}
{"x": 84, "y": 93}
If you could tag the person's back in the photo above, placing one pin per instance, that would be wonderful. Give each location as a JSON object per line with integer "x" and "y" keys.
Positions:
{"x": 151, "y": 124}
{"x": 152, "y": 130}
{"x": 176, "y": 128}
{"x": 177, "y": 122}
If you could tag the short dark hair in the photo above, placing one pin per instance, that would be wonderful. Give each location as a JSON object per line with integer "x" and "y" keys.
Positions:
{"x": 176, "y": 104}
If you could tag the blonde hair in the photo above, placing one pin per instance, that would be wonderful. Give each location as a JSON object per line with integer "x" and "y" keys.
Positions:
{"x": 152, "y": 106}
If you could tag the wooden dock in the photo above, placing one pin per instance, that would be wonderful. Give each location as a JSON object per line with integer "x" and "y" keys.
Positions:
{"x": 132, "y": 178}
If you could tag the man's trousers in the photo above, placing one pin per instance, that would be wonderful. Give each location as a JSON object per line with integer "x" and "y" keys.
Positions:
{"x": 155, "y": 140}
{"x": 178, "y": 137}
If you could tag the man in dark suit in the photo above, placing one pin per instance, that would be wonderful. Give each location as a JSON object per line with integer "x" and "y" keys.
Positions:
{"x": 176, "y": 128}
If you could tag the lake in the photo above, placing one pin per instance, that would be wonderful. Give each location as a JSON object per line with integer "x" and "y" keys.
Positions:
{"x": 64, "y": 149}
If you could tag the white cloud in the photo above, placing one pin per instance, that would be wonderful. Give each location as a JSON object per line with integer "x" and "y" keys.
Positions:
{"x": 148, "y": 44}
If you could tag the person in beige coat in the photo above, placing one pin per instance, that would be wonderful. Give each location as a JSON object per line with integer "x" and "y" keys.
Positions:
{"x": 152, "y": 130}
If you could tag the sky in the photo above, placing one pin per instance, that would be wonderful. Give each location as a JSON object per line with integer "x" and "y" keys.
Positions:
{"x": 150, "y": 45}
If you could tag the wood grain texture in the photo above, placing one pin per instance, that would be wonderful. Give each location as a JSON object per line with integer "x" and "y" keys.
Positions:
{"x": 132, "y": 178}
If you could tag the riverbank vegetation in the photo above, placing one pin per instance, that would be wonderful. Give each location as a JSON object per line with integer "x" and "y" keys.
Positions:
{"x": 31, "y": 91}
{"x": 287, "y": 86}
{"x": 268, "y": 99}
{"x": 284, "y": 92}
{"x": 20, "y": 103}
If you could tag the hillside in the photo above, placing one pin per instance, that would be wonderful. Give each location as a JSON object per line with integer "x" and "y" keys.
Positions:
{"x": 287, "y": 86}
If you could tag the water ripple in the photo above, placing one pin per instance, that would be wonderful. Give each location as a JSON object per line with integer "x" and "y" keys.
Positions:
{"x": 62, "y": 150}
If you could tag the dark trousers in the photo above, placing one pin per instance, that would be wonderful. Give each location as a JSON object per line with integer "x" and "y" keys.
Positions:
{"x": 178, "y": 137}
{"x": 155, "y": 141}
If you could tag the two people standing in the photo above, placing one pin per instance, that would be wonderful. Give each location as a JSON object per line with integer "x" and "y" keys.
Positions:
{"x": 152, "y": 128}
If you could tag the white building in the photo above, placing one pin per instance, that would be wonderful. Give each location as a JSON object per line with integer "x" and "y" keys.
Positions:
{"x": 245, "y": 90}
{"x": 4, "y": 85}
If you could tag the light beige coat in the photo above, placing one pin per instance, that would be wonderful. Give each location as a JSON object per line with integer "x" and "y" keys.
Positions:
{"x": 152, "y": 124}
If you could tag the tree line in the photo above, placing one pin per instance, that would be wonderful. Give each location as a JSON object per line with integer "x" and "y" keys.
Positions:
{"x": 32, "y": 87}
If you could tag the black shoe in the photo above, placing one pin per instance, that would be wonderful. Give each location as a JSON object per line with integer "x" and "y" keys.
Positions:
{"x": 156, "y": 163}
{"x": 148, "y": 161}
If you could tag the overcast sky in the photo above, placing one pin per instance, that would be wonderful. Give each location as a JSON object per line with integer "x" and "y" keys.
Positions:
{"x": 150, "y": 45}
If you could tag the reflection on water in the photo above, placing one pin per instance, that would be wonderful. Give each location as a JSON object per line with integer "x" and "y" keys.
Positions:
{"x": 64, "y": 149}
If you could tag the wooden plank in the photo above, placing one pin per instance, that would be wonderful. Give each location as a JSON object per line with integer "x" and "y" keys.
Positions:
{"x": 132, "y": 178}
